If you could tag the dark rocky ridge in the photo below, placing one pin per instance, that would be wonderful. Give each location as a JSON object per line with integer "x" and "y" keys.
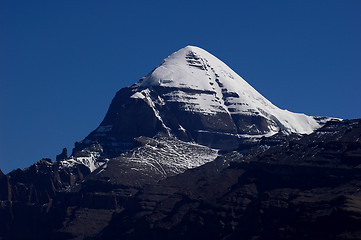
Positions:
{"x": 253, "y": 195}
{"x": 298, "y": 197}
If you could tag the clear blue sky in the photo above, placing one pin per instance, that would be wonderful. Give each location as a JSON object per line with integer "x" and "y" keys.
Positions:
{"x": 61, "y": 62}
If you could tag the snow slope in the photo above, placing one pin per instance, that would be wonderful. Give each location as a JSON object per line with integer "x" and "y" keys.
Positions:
{"x": 224, "y": 90}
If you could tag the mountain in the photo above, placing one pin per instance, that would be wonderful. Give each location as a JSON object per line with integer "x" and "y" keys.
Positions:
{"x": 192, "y": 148}
{"x": 194, "y": 97}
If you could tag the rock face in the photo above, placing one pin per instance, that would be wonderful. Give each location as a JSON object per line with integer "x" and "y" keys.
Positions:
{"x": 63, "y": 155}
{"x": 5, "y": 194}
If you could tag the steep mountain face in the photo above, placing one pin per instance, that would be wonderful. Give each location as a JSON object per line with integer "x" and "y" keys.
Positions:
{"x": 196, "y": 97}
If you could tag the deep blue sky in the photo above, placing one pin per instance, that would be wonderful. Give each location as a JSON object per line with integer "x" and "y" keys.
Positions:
{"x": 61, "y": 62}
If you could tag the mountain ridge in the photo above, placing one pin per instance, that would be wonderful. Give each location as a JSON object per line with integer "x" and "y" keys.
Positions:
{"x": 286, "y": 187}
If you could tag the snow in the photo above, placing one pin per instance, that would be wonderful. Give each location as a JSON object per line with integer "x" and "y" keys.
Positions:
{"x": 198, "y": 102}
{"x": 138, "y": 95}
{"x": 194, "y": 68}
{"x": 90, "y": 160}
{"x": 169, "y": 156}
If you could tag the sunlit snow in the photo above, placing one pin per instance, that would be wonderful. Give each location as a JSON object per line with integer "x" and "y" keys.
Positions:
{"x": 194, "y": 68}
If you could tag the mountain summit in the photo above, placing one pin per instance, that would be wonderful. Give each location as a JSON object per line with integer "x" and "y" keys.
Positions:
{"x": 194, "y": 96}
{"x": 224, "y": 91}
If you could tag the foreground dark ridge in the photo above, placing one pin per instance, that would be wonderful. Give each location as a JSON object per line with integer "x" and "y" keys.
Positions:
{"x": 303, "y": 188}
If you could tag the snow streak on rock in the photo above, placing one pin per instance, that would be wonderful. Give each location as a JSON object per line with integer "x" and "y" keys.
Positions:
{"x": 169, "y": 156}
{"x": 91, "y": 159}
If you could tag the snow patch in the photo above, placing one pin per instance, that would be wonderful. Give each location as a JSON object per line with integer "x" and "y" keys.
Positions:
{"x": 92, "y": 160}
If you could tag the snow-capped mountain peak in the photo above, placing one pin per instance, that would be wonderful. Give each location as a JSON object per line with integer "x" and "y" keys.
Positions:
{"x": 223, "y": 90}
{"x": 194, "y": 97}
